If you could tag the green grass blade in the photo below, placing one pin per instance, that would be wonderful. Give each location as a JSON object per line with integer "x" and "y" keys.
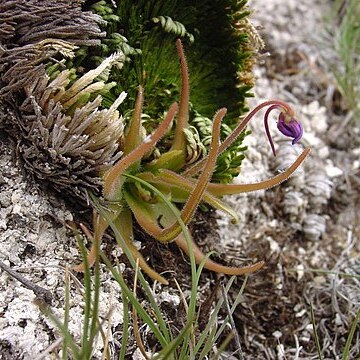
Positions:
{"x": 95, "y": 324}
{"x": 316, "y": 337}
{"x": 66, "y": 313}
{"x": 223, "y": 346}
{"x": 209, "y": 344}
{"x": 133, "y": 300}
{"x": 162, "y": 324}
{"x": 125, "y": 332}
{"x": 354, "y": 324}
{"x": 85, "y": 346}
{"x": 235, "y": 304}
{"x": 212, "y": 319}
{"x": 68, "y": 338}
{"x": 170, "y": 349}
{"x": 194, "y": 277}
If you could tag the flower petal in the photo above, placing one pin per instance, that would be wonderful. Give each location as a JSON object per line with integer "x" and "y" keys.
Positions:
{"x": 291, "y": 128}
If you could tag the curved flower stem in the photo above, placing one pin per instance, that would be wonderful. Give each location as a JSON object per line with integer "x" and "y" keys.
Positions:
{"x": 193, "y": 170}
{"x": 112, "y": 179}
{"x": 212, "y": 265}
{"x": 266, "y": 124}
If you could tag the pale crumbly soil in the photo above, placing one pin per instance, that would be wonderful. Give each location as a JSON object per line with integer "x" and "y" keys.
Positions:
{"x": 309, "y": 223}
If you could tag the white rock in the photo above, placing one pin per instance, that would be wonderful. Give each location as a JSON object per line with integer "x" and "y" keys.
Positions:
{"x": 317, "y": 116}
{"x": 16, "y": 209}
{"x": 332, "y": 171}
{"x": 301, "y": 313}
{"x": 274, "y": 246}
{"x": 300, "y": 271}
{"x": 338, "y": 320}
{"x": 312, "y": 140}
{"x": 139, "y": 356}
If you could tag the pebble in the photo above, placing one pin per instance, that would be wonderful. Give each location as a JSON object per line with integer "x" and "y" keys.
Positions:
{"x": 332, "y": 171}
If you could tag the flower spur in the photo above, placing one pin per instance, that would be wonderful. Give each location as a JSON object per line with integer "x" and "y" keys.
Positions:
{"x": 128, "y": 200}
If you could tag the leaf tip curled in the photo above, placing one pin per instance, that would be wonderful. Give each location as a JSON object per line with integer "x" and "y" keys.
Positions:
{"x": 222, "y": 112}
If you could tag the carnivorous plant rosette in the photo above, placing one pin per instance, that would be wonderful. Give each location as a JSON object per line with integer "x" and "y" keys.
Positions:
{"x": 129, "y": 200}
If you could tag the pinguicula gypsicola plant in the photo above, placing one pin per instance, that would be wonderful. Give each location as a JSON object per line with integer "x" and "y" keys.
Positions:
{"x": 129, "y": 202}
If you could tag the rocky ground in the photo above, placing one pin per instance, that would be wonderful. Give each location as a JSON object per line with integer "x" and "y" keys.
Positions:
{"x": 307, "y": 230}
{"x": 311, "y": 222}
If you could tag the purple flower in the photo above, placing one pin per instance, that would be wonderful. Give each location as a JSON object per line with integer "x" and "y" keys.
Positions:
{"x": 290, "y": 127}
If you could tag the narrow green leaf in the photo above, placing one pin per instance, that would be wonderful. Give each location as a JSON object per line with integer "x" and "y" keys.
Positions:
{"x": 170, "y": 349}
{"x": 145, "y": 285}
{"x": 125, "y": 330}
{"x": 66, "y": 313}
{"x": 85, "y": 348}
{"x": 349, "y": 339}
{"x": 233, "y": 307}
{"x": 134, "y": 301}
{"x": 316, "y": 337}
